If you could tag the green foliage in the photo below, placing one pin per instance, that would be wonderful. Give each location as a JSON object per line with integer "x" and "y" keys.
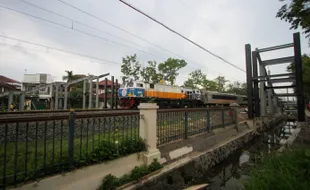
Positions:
{"x": 110, "y": 182}
{"x": 169, "y": 69}
{"x": 69, "y": 77}
{"x": 289, "y": 170}
{"x": 237, "y": 88}
{"x": 197, "y": 79}
{"x": 131, "y": 67}
{"x": 220, "y": 81}
{"x": 297, "y": 13}
{"x": 108, "y": 149}
{"x": 150, "y": 74}
{"x": 306, "y": 74}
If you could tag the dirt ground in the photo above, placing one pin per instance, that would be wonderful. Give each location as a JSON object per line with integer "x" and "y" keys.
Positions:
{"x": 303, "y": 137}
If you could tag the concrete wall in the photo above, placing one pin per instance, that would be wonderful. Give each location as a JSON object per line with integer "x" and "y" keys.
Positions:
{"x": 210, "y": 152}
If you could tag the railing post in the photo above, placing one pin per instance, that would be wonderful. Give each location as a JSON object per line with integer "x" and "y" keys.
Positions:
{"x": 71, "y": 138}
{"x": 185, "y": 124}
{"x": 208, "y": 121}
{"x": 148, "y": 126}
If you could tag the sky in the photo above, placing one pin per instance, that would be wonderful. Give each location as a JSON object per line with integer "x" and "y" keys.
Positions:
{"x": 221, "y": 26}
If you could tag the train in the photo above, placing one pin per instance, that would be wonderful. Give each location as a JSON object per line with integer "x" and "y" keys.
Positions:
{"x": 132, "y": 93}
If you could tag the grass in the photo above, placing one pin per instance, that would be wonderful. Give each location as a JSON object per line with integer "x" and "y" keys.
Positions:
{"x": 288, "y": 170}
{"x": 110, "y": 182}
{"x": 51, "y": 156}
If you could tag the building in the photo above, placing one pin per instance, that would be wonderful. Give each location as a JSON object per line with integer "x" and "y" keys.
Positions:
{"x": 8, "y": 84}
{"x": 32, "y": 81}
{"x": 109, "y": 88}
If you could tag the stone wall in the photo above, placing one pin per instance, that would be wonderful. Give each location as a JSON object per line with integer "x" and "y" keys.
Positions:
{"x": 182, "y": 176}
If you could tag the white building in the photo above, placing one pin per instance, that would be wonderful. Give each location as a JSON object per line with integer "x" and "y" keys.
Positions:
{"x": 31, "y": 81}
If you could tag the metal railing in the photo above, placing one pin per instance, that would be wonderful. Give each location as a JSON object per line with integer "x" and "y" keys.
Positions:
{"x": 178, "y": 124}
{"x": 32, "y": 147}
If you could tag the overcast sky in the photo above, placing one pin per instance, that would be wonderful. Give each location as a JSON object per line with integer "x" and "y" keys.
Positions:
{"x": 222, "y": 26}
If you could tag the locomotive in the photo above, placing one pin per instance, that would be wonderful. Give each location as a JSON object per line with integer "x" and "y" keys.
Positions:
{"x": 132, "y": 93}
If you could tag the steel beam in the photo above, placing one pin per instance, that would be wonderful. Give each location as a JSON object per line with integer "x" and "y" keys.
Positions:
{"x": 285, "y": 95}
{"x": 281, "y": 60}
{"x": 280, "y": 80}
{"x": 105, "y": 93}
{"x": 56, "y": 96}
{"x": 84, "y": 94}
{"x": 255, "y": 89}
{"x": 22, "y": 101}
{"x": 276, "y": 47}
{"x": 299, "y": 79}
{"x": 116, "y": 94}
{"x": 112, "y": 92}
{"x": 90, "y": 102}
{"x": 248, "y": 64}
{"x": 10, "y": 100}
{"x": 263, "y": 104}
{"x": 97, "y": 93}
{"x": 274, "y": 76}
{"x": 280, "y": 87}
{"x": 66, "y": 97}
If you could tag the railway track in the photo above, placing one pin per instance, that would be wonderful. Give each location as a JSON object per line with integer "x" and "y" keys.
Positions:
{"x": 92, "y": 112}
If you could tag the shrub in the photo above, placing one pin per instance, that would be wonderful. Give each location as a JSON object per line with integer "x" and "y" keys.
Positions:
{"x": 110, "y": 182}
{"x": 287, "y": 170}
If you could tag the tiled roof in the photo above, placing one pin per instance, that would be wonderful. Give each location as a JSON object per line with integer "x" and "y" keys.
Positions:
{"x": 109, "y": 83}
{"x": 6, "y": 80}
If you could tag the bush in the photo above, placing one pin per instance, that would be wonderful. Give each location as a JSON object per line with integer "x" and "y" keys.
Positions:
{"x": 110, "y": 182}
{"x": 283, "y": 171}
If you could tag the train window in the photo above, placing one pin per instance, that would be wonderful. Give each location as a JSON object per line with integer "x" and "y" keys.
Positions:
{"x": 139, "y": 85}
{"x": 224, "y": 97}
{"x": 152, "y": 86}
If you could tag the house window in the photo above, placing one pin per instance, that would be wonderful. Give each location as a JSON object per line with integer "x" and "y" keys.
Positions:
{"x": 152, "y": 86}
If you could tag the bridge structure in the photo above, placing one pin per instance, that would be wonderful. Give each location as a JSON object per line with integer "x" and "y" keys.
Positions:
{"x": 59, "y": 93}
{"x": 263, "y": 99}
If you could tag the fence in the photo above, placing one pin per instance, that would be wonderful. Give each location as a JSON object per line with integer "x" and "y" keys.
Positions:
{"x": 35, "y": 146}
{"x": 32, "y": 147}
{"x": 180, "y": 124}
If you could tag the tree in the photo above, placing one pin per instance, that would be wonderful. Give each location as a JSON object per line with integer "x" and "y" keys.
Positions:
{"x": 305, "y": 74}
{"x": 131, "y": 67}
{"x": 221, "y": 81}
{"x": 150, "y": 74}
{"x": 69, "y": 76}
{"x": 237, "y": 88}
{"x": 197, "y": 79}
{"x": 169, "y": 69}
{"x": 297, "y": 13}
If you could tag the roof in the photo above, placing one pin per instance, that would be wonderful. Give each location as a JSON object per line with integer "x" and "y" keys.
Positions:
{"x": 109, "y": 83}
{"x": 7, "y": 80}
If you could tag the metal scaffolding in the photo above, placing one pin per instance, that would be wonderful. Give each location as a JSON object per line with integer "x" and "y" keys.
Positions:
{"x": 261, "y": 91}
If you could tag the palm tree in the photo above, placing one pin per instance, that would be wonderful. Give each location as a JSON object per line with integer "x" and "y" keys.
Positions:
{"x": 69, "y": 77}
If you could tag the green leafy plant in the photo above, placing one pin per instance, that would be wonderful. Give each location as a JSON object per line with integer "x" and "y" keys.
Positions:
{"x": 110, "y": 182}
{"x": 285, "y": 171}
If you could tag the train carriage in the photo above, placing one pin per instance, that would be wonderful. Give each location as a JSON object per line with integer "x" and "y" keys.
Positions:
{"x": 167, "y": 96}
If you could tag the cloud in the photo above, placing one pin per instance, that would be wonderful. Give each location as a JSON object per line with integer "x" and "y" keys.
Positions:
{"x": 222, "y": 26}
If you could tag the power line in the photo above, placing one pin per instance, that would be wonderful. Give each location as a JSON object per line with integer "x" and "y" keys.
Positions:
{"x": 126, "y": 31}
{"x": 58, "y": 49}
{"x": 74, "y": 29}
{"x": 75, "y": 21}
{"x": 72, "y": 20}
{"x": 42, "y": 51}
{"x": 173, "y": 31}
